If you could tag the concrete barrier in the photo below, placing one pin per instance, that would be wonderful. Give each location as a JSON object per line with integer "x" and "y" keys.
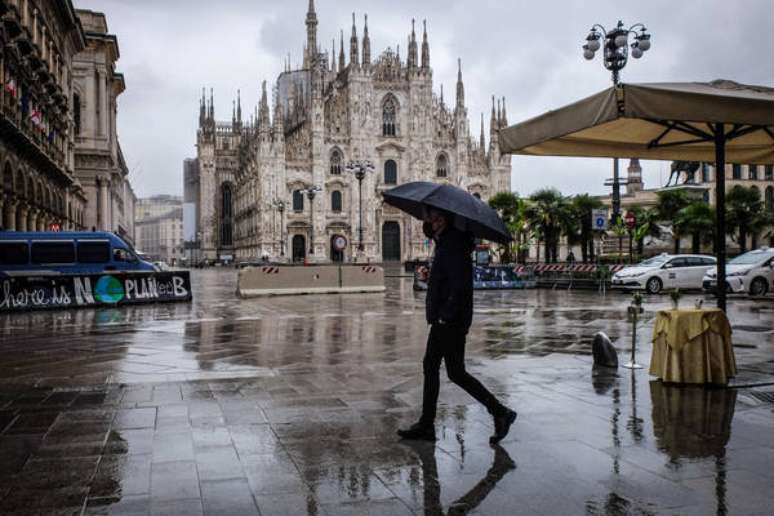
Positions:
{"x": 315, "y": 279}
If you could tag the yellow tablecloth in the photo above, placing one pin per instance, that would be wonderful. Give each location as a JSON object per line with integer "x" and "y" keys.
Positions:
{"x": 692, "y": 346}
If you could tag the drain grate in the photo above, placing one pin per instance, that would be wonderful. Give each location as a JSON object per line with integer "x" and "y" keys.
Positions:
{"x": 763, "y": 396}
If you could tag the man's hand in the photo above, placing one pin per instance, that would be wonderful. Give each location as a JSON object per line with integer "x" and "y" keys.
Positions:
{"x": 423, "y": 273}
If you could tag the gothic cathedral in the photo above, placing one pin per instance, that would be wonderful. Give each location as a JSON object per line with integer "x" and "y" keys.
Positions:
{"x": 279, "y": 185}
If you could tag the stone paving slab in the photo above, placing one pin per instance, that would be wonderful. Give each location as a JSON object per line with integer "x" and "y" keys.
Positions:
{"x": 290, "y": 406}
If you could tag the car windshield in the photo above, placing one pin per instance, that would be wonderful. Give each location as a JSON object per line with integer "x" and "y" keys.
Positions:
{"x": 750, "y": 258}
{"x": 653, "y": 262}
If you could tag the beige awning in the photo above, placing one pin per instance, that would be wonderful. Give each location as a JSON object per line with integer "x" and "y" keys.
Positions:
{"x": 666, "y": 121}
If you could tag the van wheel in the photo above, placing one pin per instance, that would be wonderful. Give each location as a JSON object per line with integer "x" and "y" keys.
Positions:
{"x": 758, "y": 287}
{"x": 654, "y": 286}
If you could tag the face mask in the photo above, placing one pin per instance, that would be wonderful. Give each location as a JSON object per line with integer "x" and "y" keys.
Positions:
{"x": 427, "y": 229}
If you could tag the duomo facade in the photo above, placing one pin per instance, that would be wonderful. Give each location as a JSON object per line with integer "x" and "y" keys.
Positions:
{"x": 255, "y": 176}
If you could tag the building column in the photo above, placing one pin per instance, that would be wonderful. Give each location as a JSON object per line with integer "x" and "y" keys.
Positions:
{"x": 21, "y": 217}
{"x": 10, "y": 215}
{"x": 32, "y": 219}
{"x": 103, "y": 205}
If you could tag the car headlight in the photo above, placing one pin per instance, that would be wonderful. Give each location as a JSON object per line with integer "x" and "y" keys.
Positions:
{"x": 637, "y": 274}
{"x": 739, "y": 273}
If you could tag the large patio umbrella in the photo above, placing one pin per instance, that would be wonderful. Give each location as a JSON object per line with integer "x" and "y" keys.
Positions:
{"x": 721, "y": 121}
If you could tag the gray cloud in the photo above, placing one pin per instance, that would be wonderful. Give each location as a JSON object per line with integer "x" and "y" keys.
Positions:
{"x": 526, "y": 51}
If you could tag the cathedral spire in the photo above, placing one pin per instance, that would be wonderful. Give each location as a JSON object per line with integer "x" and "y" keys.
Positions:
{"x": 233, "y": 113}
{"x": 263, "y": 114}
{"x": 366, "y": 45}
{"x": 482, "y": 141}
{"x": 310, "y": 56}
{"x": 212, "y": 106}
{"x": 239, "y": 109}
{"x": 493, "y": 120}
{"x": 505, "y": 117}
{"x": 412, "y": 49}
{"x": 425, "y": 47}
{"x": 353, "y": 46}
{"x": 202, "y": 110}
{"x": 499, "y": 115}
{"x": 333, "y": 55}
{"x": 460, "y": 86}
{"x": 441, "y": 95}
{"x": 342, "y": 63}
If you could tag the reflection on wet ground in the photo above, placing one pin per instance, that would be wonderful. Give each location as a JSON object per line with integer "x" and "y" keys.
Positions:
{"x": 289, "y": 405}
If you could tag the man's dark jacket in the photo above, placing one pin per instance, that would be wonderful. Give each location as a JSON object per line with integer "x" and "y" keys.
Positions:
{"x": 450, "y": 287}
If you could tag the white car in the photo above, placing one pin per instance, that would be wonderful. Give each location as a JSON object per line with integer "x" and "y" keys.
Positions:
{"x": 751, "y": 272}
{"x": 666, "y": 271}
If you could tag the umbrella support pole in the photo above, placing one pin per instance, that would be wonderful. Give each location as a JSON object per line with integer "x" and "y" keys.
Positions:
{"x": 720, "y": 213}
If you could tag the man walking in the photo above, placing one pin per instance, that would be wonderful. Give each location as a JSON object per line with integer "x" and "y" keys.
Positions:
{"x": 449, "y": 312}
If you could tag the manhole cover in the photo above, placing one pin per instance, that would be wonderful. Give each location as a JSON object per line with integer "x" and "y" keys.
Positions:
{"x": 743, "y": 327}
{"x": 762, "y": 396}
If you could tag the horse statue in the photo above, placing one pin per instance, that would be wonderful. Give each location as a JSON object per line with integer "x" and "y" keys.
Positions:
{"x": 689, "y": 167}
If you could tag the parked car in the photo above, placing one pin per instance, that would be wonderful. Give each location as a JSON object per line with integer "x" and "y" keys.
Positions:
{"x": 751, "y": 272}
{"x": 665, "y": 271}
{"x": 42, "y": 253}
{"x": 162, "y": 266}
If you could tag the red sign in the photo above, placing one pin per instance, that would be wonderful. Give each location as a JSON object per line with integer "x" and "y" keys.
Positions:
{"x": 630, "y": 219}
{"x": 55, "y": 227}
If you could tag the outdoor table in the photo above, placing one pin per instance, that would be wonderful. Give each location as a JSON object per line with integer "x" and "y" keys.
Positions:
{"x": 692, "y": 346}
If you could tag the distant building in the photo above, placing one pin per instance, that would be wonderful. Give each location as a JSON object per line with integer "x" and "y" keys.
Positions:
{"x": 161, "y": 236}
{"x": 155, "y": 206}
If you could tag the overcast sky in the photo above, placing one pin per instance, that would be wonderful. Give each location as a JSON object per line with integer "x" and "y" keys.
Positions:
{"x": 527, "y": 51}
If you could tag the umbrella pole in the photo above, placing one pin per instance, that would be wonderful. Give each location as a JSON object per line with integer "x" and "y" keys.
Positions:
{"x": 720, "y": 212}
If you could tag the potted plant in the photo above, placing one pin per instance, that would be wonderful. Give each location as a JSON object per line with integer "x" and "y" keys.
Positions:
{"x": 675, "y": 297}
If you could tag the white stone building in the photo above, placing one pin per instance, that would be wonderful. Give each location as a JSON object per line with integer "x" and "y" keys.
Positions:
{"x": 330, "y": 112}
{"x": 160, "y": 234}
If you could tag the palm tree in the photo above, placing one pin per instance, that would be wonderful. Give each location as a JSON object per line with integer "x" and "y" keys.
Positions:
{"x": 545, "y": 212}
{"x": 647, "y": 225}
{"x": 620, "y": 230}
{"x": 511, "y": 209}
{"x": 698, "y": 220}
{"x": 670, "y": 203}
{"x": 582, "y": 207}
{"x": 744, "y": 210}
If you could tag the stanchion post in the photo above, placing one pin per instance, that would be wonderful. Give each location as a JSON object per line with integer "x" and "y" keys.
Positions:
{"x": 635, "y": 309}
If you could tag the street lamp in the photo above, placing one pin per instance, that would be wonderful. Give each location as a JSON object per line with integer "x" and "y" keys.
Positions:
{"x": 310, "y": 193}
{"x": 615, "y": 56}
{"x": 280, "y": 206}
{"x": 359, "y": 168}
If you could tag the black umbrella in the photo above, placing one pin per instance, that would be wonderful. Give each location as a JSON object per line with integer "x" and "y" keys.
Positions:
{"x": 470, "y": 213}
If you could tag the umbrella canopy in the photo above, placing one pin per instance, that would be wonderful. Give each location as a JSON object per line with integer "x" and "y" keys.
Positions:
{"x": 470, "y": 213}
{"x": 721, "y": 121}
{"x": 669, "y": 121}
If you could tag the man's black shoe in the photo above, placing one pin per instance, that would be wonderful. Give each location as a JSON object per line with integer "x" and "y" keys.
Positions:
{"x": 418, "y": 431}
{"x": 502, "y": 424}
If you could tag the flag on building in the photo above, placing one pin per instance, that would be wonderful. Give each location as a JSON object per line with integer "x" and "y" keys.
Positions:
{"x": 10, "y": 87}
{"x": 36, "y": 117}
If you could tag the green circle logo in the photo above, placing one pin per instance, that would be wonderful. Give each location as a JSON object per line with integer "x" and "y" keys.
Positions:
{"x": 108, "y": 290}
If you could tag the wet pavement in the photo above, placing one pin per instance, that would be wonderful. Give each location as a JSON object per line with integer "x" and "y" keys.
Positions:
{"x": 289, "y": 405}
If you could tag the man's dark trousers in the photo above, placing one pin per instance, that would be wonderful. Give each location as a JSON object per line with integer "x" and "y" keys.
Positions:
{"x": 447, "y": 343}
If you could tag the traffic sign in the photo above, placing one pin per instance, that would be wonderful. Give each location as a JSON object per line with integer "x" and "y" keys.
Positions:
{"x": 631, "y": 219}
{"x": 339, "y": 243}
{"x": 599, "y": 220}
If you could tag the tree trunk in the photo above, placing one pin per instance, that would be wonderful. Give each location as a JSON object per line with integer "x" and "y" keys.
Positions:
{"x": 677, "y": 243}
{"x": 584, "y": 245}
{"x": 754, "y": 244}
{"x": 696, "y": 245}
{"x": 591, "y": 249}
{"x": 742, "y": 240}
{"x": 640, "y": 247}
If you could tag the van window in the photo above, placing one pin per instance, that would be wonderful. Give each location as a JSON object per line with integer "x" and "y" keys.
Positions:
{"x": 53, "y": 252}
{"x": 14, "y": 253}
{"x": 122, "y": 255}
{"x": 93, "y": 252}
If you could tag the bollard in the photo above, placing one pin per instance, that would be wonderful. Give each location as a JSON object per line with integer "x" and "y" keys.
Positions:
{"x": 635, "y": 309}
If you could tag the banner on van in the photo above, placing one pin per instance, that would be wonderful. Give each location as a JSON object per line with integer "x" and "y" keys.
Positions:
{"x": 74, "y": 291}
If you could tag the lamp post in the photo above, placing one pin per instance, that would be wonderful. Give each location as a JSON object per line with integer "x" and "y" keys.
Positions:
{"x": 280, "y": 206}
{"x": 615, "y": 56}
{"x": 310, "y": 193}
{"x": 360, "y": 168}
